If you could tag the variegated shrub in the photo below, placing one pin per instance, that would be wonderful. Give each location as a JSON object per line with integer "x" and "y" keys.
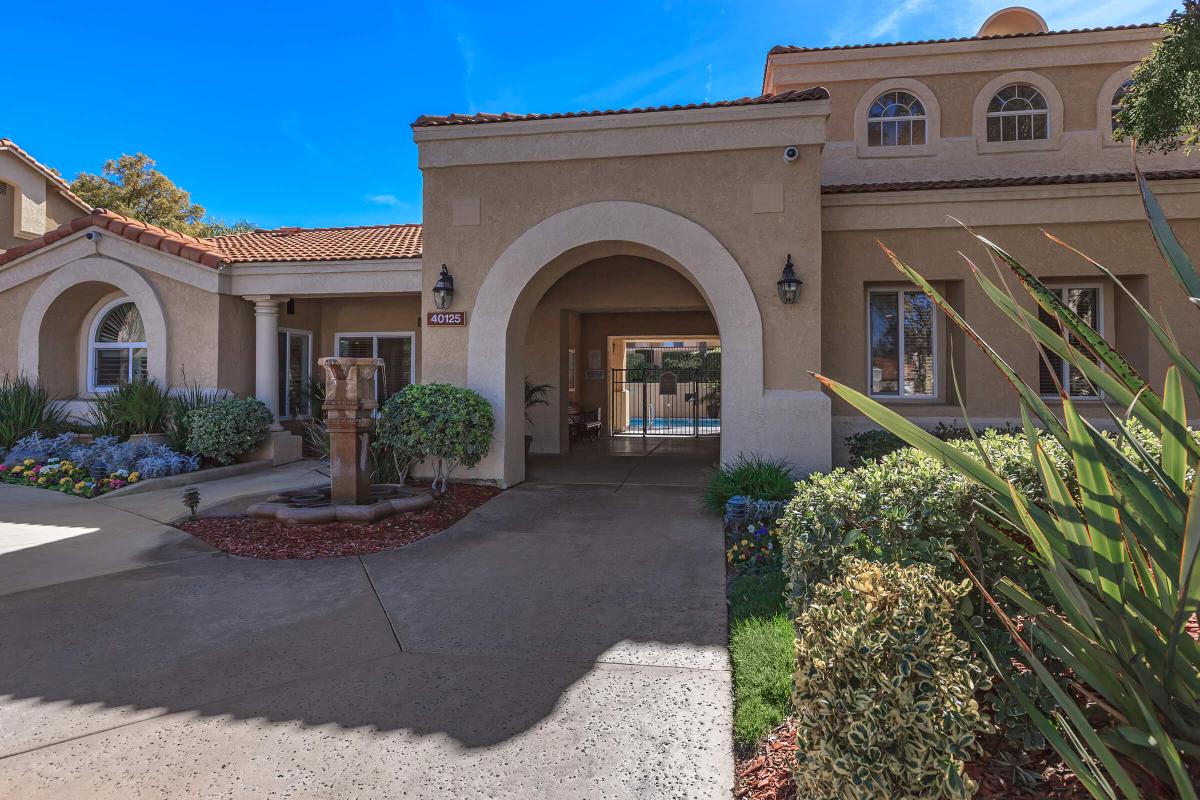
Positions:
{"x": 884, "y": 690}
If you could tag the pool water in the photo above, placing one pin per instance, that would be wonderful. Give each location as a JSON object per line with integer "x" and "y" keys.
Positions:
{"x": 675, "y": 424}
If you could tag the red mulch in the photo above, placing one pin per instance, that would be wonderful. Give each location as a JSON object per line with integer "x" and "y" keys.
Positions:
{"x": 258, "y": 538}
{"x": 766, "y": 774}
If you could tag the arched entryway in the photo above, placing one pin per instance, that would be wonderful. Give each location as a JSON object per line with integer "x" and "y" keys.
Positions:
{"x": 58, "y": 323}
{"x": 562, "y": 242}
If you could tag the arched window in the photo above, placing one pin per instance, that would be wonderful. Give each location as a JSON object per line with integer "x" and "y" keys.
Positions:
{"x": 1117, "y": 97}
{"x": 895, "y": 118}
{"x": 1017, "y": 113}
{"x": 117, "y": 346}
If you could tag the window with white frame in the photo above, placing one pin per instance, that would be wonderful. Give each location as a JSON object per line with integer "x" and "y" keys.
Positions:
{"x": 1018, "y": 113}
{"x": 896, "y": 118}
{"x": 902, "y": 357}
{"x": 396, "y": 350}
{"x": 116, "y": 346}
{"x": 295, "y": 373}
{"x": 1053, "y": 371}
{"x": 1118, "y": 96}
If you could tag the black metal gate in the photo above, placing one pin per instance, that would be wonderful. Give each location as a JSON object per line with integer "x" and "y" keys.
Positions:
{"x": 658, "y": 401}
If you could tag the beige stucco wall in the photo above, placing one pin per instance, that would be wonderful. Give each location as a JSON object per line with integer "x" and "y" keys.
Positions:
{"x": 1077, "y": 73}
{"x": 855, "y": 262}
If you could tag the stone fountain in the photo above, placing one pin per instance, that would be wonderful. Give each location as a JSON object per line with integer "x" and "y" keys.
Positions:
{"x": 351, "y": 497}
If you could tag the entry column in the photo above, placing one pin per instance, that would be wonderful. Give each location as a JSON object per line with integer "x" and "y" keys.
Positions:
{"x": 266, "y": 353}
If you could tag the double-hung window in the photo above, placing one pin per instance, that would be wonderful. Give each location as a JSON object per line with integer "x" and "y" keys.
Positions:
{"x": 1086, "y": 301}
{"x": 902, "y": 358}
{"x": 295, "y": 373}
{"x": 396, "y": 350}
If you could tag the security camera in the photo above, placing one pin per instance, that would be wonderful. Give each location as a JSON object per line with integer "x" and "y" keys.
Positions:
{"x": 791, "y": 154}
{"x": 92, "y": 235}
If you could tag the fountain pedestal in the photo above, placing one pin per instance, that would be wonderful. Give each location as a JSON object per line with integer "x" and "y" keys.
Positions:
{"x": 349, "y": 403}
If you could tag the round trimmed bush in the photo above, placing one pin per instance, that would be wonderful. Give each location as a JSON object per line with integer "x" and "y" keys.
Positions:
{"x": 227, "y": 428}
{"x": 447, "y": 424}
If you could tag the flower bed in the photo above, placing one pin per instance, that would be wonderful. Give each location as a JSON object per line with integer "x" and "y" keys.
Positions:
{"x": 65, "y": 476}
{"x": 87, "y": 469}
{"x": 269, "y": 539}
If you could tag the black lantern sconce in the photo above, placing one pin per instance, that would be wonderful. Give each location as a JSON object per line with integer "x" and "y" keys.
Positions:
{"x": 443, "y": 290}
{"x": 788, "y": 284}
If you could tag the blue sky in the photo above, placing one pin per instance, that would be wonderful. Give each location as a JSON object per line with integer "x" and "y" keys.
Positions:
{"x": 298, "y": 113}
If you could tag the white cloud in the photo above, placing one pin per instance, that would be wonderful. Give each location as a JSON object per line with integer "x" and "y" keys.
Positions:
{"x": 385, "y": 200}
{"x": 891, "y": 23}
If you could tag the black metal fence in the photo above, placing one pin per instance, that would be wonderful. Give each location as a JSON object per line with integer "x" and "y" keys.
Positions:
{"x": 664, "y": 401}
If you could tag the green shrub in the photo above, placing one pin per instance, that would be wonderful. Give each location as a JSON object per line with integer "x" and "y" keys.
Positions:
{"x": 180, "y": 404}
{"x": 874, "y": 444}
{"x": 448, "y": 424}
{"x": 754, "y": 476}
{"x": 227, "y": 428}
{"x": 135, "y": 407}
{"x": 884, "y": 689}
{"x": 26, "y": 407}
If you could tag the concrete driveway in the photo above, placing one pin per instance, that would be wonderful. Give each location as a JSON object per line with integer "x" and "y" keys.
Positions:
{"x": 565, "y": 641}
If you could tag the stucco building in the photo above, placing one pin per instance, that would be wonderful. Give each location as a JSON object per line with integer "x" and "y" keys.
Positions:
{"x": 590, "y": 250}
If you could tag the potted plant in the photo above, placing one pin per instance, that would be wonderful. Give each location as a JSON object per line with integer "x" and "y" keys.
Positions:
{"x": 535, "y": 395}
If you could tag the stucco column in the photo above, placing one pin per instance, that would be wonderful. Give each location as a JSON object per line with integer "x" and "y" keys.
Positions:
{"x": 266, "y": 353}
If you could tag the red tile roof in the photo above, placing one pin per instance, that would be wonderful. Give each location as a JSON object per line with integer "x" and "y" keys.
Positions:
{"x": 796, "y": 95}
{"x": 322, "y": 244}
{"x": 284, "y": 244}
{"x": 987, "y": 183}
{"x": 61, "y": 185}
{"x": 789, "y": 48}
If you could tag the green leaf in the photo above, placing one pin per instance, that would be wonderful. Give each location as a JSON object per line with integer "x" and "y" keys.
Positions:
{"x": 1172, "y": 251}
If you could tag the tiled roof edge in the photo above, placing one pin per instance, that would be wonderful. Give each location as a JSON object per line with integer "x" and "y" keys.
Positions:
{"x": 60, "y": 184}
{"x": 790, "y": 48}
{"x": 793, "y": 96}
{"x": 1028, "y": 180}
{"x": 176, "y": 244}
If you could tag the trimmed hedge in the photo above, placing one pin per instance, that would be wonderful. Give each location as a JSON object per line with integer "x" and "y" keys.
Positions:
{"x": 227, "y": 428}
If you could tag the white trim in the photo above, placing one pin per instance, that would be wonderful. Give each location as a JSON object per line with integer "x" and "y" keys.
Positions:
{"x": 283, "y": 400}
{"x": 935, "y": 336}
{"x": 375, "y": 336}
{"x": 93, "y": 345}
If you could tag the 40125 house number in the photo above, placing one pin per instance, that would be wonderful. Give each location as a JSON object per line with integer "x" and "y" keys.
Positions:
{"x": 446, "y": 318}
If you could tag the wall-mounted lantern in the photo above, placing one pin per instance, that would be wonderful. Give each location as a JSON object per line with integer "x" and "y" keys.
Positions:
{"x": 443, "y": 290}
{"x": 788, "y": 284}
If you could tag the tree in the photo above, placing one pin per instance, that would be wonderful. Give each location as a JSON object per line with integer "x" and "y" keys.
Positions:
{"x": 1161, "y": 110}
{"x": 132, "y": 186}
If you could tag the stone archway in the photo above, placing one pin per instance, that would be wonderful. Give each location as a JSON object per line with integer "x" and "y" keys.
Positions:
{"x": 558, "y": 243}
{"x": 99, "y": 270}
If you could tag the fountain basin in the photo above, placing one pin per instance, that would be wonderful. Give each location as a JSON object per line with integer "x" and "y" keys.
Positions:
{"x": 311, "y": 506}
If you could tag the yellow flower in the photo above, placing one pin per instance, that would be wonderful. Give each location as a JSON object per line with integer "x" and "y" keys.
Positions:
{"x": 17, "y": 470}
{"x": 29, "y": 462}
{"x": 64, "y": 481}
{"x": 41, "y": 481}
{"x": 134, "y": 477}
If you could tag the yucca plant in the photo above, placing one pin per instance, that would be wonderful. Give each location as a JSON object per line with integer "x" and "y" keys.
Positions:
{"x": 26, "y": 407}
{"x": 1119, "y": 553}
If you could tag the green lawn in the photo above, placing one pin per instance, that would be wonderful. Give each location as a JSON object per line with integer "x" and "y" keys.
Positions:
{"x": 761, "y": 647}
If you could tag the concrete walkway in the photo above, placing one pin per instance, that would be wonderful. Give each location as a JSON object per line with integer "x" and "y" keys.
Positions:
{"x": 563, "y": 641}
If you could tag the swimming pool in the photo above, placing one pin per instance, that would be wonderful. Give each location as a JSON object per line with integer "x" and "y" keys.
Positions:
{"x": 681, "y": 425}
